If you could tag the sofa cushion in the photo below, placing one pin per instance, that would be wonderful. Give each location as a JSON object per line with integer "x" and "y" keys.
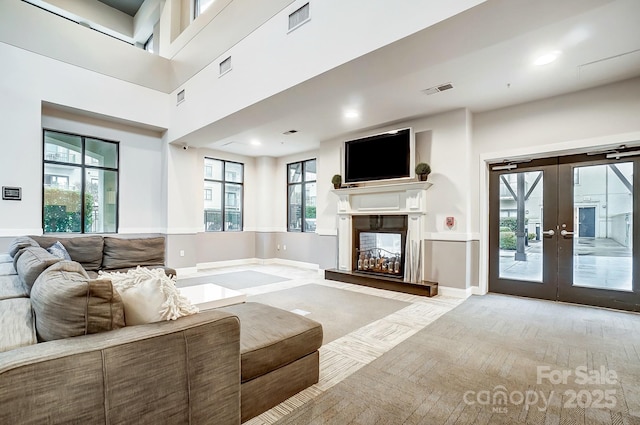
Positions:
{"x": 68, "y": 303}
{"x": 19, "y": 243}
{"x": 12, "y": 287}
{"x": 271, "y": 337}
{"x": 125, "y": 253}
{"x": 16, "y": 323}
{"x": 86, "y": 250}
{"x": 32, "y": 262}
{"x": 7, "y": 269}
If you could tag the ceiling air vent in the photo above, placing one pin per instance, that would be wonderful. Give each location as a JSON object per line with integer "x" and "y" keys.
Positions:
{"x": 299, "y": 17}
{"x": 180, "y": 96}
{"x": 438, "y": 88}
{"x": 225, "y": 66}
{"x": 290, "y": 132}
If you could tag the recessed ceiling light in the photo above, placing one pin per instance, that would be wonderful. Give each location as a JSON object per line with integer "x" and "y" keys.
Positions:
{"x": 255, "y": 142}
{"x": 351, "y": 114}
{"x": 547, "y": 58}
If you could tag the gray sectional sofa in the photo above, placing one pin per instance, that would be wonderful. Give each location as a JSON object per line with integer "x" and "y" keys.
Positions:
{"x": 66, "y": 355}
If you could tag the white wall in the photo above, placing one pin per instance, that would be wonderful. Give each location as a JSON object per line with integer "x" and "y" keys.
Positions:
{"x": 39, "y": 31}
{"x": 26, "y": 81}
{"x": 140, "y": 172}
{"x": 442, "y": 141}
{"x": 270, "y": 60}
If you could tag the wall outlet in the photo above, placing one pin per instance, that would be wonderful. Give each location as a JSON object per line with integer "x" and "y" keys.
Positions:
{"x": 284, "y": 247}
{"x": 182, "y": 252}
{"x": 278, "y": 247}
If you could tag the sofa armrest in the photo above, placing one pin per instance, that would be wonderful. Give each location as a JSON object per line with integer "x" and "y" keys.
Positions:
{"x": 183, "y": 371}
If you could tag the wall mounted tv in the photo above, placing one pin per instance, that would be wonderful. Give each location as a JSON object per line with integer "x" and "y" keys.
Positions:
{"x": 382, "y": 156}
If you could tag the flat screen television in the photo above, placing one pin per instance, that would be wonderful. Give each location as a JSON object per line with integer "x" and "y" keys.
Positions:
{"x": 382, "y": 156}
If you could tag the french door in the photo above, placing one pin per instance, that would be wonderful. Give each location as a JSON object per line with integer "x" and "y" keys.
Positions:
{"x": 562, "y": 229}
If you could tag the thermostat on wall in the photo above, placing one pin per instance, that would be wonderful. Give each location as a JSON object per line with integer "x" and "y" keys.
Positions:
{"x": 12, "y": 193}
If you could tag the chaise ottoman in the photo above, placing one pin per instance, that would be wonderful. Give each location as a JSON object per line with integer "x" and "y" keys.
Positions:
{"x": 278, "y": 354}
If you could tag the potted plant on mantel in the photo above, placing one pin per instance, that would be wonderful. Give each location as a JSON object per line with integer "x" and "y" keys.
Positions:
{"x": 423, "y": 170}
{"x": 337, "y": 181}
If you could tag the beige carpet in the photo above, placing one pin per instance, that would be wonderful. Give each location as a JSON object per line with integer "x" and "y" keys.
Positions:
{"x": 455, "y": 369}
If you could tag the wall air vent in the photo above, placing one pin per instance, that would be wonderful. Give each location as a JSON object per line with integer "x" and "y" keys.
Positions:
{"x": 225, "y": 66}
{"x": 180, "y": 96}
{"x": 438, "y": 88}
{"x": 290, "y": 132}
{"x": 299, "y": 17}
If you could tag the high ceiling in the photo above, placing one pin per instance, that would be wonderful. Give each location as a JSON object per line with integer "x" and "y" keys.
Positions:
{"x": 486, "y": 53}
{"x": 130, "y": 7}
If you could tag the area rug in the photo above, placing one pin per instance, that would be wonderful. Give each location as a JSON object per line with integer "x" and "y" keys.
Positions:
{"x": 234, "y": 280}
{"x": 340, "y": 311}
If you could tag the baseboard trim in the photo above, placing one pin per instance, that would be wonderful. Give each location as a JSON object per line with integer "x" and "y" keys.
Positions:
{"x": 448, "y": 291}
{"x": 249, "y": 261}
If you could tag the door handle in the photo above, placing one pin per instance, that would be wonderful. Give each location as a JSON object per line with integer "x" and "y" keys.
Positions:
{"x": 549, "y": 232}
{"x": 565, "y": 233}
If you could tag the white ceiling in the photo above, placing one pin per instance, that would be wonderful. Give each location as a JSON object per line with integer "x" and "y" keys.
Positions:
{"x": 485, "y": 52}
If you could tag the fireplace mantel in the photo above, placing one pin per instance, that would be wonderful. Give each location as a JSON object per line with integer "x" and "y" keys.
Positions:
{"x": 399, "y": 198}
{"x": 390, "y": 199}
{"x": 396, "y": 187}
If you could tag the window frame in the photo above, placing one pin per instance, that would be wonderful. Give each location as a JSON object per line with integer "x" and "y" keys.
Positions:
{"x": 196, "y": 9}
{"x": 223, "y": 194}
{"x": 303, "y": 201}
{"x": 83, "y": 167}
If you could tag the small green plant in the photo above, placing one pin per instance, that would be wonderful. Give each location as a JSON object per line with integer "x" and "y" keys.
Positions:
{"x": 336, "y": 180}
{"x": 423, "y": 168}
{"x": 507, "y": 240}
{"x": 532, "y": 236}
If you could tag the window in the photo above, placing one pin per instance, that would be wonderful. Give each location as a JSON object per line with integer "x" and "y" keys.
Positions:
{"x": 200, "y": 6}
{"x": 80, "y": 184}
{"x": 223, "y": 189}
{"x": 301, "y": 196}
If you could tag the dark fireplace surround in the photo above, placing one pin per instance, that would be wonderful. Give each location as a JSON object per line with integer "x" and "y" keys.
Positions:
{"x": 370, "y": 254}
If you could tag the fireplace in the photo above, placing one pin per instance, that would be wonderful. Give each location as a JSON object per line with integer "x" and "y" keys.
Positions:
{"x": 378, "y": 244}
{"x": 382, "y": 224}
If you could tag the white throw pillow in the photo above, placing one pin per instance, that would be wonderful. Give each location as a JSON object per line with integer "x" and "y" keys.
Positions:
{"x": 149, "y": 295}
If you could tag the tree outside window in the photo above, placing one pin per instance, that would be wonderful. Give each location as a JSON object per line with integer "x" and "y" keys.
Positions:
{"x": 301, "y": 196}
{"x": 80, "y": 184}
{"x": 223, "y": 189}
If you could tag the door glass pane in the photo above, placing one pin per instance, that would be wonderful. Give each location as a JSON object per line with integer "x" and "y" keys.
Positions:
{"x": 603, "y": 226}
{"x": 521, "y": 205}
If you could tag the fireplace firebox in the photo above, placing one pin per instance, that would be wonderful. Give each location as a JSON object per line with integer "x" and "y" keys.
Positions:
{"x": 379, "y": 244}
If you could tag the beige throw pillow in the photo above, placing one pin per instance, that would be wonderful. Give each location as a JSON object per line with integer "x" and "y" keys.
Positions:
{"x": 149, "y": 295}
